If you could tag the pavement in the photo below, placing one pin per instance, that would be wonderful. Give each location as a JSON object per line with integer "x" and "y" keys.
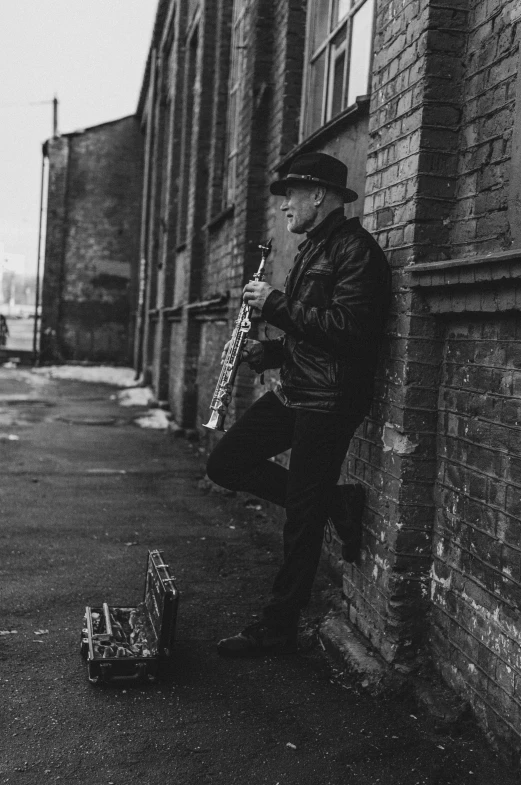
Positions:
{"x": 84, "y": 494}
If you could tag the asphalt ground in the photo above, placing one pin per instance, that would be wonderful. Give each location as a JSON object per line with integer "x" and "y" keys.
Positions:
{"x": 84, "y": 494}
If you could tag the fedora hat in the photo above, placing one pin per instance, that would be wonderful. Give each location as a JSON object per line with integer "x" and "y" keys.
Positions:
{"x": 316, "y": 168}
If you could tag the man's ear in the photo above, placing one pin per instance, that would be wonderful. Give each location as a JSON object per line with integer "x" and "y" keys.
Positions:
{"x": 320, "y": 194}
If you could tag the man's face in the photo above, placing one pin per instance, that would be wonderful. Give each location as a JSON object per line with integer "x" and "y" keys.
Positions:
{"x": 300, "y": 208}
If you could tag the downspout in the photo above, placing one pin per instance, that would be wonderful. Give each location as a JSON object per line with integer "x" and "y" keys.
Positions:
{"x": 143, "y": 262}
{"x": 37, "y": 297}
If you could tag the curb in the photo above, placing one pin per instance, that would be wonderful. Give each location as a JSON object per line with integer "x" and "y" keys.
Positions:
{"x": 347, "y": 646}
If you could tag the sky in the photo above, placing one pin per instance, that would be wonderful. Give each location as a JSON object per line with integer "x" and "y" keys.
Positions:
{"x": 91, "y": 54}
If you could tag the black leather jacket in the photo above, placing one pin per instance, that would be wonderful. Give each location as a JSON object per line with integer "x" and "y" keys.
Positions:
{"x": 332, "y": 312}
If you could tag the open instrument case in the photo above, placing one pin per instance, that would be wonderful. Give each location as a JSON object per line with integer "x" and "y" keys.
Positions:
{"x": 128, "y": 644}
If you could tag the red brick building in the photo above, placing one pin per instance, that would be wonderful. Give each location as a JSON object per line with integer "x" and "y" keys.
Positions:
{"x": 90, "y": 281}
{"x": 422, "y": 100}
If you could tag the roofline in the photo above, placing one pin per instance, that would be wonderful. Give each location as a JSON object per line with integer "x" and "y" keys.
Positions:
{"x": 80, "y": 131}
{"x": 162, "y": 7}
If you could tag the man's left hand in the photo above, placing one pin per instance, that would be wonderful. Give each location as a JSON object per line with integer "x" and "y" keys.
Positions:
{"x": 255, "y": 293}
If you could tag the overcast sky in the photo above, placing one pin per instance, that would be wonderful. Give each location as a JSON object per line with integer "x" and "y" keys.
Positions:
{"x": 91, "y": 54}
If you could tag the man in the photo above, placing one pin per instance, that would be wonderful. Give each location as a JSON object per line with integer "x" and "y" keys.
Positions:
{"x": 4, "y": 330}
{"x": 332, "y": 313}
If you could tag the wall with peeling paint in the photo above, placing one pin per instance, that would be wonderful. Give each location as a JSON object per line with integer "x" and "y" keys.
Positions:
{"x": 476, "y": 570}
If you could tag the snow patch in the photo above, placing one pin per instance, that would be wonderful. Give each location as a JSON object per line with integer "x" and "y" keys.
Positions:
{"x": 155, "y": 418}
{"x": 98, "y": 374}
{"x": 136, "y": 396}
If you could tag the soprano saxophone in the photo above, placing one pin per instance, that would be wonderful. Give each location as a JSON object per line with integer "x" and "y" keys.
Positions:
{"x": 223, "y": 390}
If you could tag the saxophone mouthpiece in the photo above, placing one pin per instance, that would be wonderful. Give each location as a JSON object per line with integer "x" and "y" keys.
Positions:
{"x": 266, "y": 248}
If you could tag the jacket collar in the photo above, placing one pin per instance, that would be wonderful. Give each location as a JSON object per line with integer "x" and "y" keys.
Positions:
{"x": 322, "y": 230}
{"x": 325, "y": 228}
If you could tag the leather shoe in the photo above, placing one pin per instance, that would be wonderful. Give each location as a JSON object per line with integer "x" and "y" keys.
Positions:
{"x": 346, "y": 517}
{"x": 259, "y": 640}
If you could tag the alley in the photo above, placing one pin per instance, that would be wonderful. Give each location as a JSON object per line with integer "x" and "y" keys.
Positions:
{"x": 84, "y": 494}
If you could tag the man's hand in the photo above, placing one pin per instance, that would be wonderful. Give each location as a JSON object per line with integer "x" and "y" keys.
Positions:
{"x": 251, "y": 351}
{"x": 255, "y": 293}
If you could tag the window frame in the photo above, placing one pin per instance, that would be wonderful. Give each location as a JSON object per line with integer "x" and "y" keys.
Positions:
{"x": 235, "y": 93}
{"x": 191, "y": 87}
{"x": 327, "y": 46}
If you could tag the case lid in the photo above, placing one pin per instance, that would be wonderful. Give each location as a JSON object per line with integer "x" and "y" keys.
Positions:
{"x": 161, "y": 600}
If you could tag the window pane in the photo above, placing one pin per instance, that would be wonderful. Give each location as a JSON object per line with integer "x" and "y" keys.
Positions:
{"x": 338, "y": 85}
{"x": 337, "y": 62}
{"x": 231, "y": 179}
{"x": 313, "y": 118}
{"x": 339, "y": 39}
{"x": 361, "y": 49}
{"x": 319, "y": 23}
{"x": 234, "y": 102}
{"x": 239, "y": 7}
{"x": 340, "y": 9}
{"x": 232, "y": 129}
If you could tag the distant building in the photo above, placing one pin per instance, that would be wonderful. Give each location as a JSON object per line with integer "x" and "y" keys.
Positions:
{"x": 90, "y": 279}
{"x": 17, "y": 290}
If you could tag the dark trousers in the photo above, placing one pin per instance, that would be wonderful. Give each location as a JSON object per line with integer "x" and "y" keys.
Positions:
{"x": 240, "y": 462}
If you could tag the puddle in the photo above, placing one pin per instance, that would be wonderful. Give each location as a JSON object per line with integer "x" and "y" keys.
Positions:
{"x": 16, "y": 400}
{"x": 88, "y": 420}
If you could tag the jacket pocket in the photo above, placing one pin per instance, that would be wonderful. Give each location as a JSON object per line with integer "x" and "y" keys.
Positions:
{"x": 311, "y": 367}
{"x": 317, "y": 286}
{"x": 319, "y": 270}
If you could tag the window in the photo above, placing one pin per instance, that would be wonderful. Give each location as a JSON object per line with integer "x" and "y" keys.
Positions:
{"x": 191, "y": 88}
{"x": 339, "y": 46}
{"x": 234, "y": 100}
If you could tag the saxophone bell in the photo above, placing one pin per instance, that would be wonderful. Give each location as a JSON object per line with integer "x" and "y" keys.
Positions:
{"x": 216, "y": 421}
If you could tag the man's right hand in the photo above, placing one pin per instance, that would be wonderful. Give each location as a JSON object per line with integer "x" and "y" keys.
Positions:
{"x": 251, "y": 351}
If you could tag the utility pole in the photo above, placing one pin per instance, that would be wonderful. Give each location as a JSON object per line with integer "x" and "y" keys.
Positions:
{"x": 39, "y": 259}
{"x": 55, "y": 116}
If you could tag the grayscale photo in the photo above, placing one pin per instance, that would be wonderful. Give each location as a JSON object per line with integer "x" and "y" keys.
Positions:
{"x": 260, "y": 392}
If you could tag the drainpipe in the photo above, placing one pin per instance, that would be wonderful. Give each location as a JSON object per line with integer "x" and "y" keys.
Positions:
{"x": 144, "y": 264}
{"x": 37, "y": 297}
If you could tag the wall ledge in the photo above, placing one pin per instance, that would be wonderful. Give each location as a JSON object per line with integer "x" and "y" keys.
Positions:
{"x": 488, "y": 284}
{"x": 473, "y": 269}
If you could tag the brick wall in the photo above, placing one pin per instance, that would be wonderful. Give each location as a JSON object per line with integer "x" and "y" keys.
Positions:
{"x": 409, "y": 191}
{"x": 476, "y": 572}
{"x": 100, "y": 182}
{"x": 176, "y": 380}
{"x": 480, "y": 218}
{"x": 214, "y": 334}
{"x": 101, "y": 252}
